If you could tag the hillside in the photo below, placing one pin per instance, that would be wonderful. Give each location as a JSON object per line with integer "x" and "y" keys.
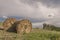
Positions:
{"x": 36, "y": 34}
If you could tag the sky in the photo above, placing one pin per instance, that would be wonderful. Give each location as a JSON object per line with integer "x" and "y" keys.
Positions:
{"x": 43, "y": 11}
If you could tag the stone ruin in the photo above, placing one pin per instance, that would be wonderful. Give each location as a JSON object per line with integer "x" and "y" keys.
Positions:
{"x": 21, "y": 26}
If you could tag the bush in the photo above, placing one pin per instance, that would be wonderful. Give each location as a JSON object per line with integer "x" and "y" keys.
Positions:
{"x": 50, "y": 27}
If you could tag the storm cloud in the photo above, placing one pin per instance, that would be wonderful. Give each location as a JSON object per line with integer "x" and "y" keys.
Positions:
{"x": 46, "y": 10}
{"x": 48, "y": 3}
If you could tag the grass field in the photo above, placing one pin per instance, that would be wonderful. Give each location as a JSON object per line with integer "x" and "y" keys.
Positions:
{"x": 0, "y": 23}
{"x": 36, "y": 34}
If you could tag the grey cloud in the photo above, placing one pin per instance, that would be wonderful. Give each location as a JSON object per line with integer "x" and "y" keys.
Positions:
{"x": 16, "y": 7}
{"x": 48, "y": 3}
{"x": 36, "y": 9}
{"x": 51, "y": 3}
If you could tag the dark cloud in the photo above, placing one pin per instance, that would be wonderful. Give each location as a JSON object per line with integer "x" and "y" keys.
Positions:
{"x": 36, "y": 9}
{"x": 51, "y": 3}
{"x": 48, "y": 3}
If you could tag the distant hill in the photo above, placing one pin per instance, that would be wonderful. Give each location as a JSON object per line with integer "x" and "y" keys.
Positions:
{"x": 19, "y": 17}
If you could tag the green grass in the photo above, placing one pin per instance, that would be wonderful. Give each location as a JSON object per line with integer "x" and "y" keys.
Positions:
{"x": 36, "y": 34}
{"x": 0, "y": 23}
